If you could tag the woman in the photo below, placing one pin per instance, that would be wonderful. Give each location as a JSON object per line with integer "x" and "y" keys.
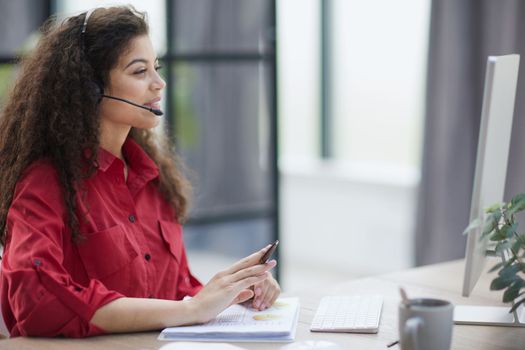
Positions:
{"x": 91, "y": 200}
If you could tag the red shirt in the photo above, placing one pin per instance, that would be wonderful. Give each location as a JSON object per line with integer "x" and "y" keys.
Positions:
{"x": 133, "y": 247}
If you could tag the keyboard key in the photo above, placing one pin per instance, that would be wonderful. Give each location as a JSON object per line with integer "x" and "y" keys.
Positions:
{"x": 348, "y": 314}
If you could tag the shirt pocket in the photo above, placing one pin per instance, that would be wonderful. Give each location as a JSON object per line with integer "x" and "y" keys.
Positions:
{"x": 172, "y": 235}
{"x": 107, "y": 252}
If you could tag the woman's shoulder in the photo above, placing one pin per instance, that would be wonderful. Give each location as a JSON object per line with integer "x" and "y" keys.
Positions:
{"x": 41, "y": 174}
{"x": 39, "y": 187}
{"x": 42, "y": 169}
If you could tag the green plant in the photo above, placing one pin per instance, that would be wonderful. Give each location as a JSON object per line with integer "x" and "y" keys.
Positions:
{"x": 501, "y": 228}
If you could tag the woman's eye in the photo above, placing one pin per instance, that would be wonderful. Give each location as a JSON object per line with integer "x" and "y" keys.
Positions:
{"x": 141, "y": 71}
{"x": 158, "y": 67}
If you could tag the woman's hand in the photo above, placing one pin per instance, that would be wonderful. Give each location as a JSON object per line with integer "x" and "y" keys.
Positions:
{"x": 266, "y": 292}
{"x": 232, "y": 286}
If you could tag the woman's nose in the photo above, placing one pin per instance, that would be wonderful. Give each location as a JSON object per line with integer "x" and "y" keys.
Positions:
{"x": 158, "y": 82}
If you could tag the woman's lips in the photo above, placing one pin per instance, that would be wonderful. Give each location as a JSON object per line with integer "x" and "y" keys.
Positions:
{"x": 155, "y": 104}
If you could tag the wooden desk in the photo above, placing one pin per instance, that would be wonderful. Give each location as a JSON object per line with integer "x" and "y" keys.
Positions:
{"x": 440, "y": 281}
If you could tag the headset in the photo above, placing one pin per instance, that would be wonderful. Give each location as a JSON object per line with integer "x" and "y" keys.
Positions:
{"x": 99, "y": 91}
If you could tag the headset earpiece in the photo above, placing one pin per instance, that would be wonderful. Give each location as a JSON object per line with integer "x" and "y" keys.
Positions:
{"x": 98, "y": 89}
{"x": 95, "y": 90}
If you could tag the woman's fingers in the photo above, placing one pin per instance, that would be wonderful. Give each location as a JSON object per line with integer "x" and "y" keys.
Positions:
{"x": 250, "y": 281}
{"x": 260, "y": 291}
{"x": 273, "y": 298}
{"x": 252, "y": 271}
{"x": 245, "y": 294}
{"x": 236, "y": 286}
{"x": 248, "y": 261}
{"x": 266, "y": 293}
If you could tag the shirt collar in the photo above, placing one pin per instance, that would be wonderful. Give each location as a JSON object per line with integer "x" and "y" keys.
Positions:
{"x": 137, "y": 159}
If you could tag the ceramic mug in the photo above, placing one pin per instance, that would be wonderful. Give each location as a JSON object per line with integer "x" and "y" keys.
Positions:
{"x": 425, "y": 324}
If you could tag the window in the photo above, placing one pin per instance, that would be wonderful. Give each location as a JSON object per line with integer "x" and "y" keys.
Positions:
{"x": 379, "y": 61}
{"x": 351, "y": 102}
{"x": 222, "y": 56}
{"x": 376, "y": 62}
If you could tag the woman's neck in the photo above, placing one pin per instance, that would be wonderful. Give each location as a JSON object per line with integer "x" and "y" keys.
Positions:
{"x": 112, "y": 138}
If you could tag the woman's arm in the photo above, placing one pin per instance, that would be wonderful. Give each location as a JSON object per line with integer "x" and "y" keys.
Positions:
{"x": 224, "y": 289}
{"x": 142, "y": 314}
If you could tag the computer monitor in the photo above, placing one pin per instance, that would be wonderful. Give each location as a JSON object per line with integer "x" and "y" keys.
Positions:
{"x": 489, "y": 183}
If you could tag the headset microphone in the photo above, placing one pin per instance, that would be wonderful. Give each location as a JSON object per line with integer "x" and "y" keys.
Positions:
{"x": 152, "y": 110}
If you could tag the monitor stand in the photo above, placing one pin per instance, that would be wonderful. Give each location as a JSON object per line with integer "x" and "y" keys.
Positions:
{"x": 489, "y": 316}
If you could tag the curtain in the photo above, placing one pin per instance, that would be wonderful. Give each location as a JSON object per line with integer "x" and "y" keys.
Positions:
{"x": 462, "y": 34}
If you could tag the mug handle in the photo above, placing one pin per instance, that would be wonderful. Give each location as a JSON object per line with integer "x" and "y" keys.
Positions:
{"x": 409, "y": 336}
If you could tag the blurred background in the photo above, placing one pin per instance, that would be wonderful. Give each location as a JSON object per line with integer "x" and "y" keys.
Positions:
{"x": 347, "y": 129}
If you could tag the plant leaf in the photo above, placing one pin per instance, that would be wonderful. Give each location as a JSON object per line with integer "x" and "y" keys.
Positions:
{"x": 473, "y": 225}
{"x": 516, "y": 305}
{"x": 511, "y": 270}
{"x": 517, "y": 204}
{"x": 520, "y": 197}
{"x": 516, "y": 247}
{"x": 498, "y": 236}
{"x": 497, "y": 266}
{"x": 512, "y": 292}
{"x": 491, "y": 223}
{"x": 500, "y": 282}
{"x": 494, "y": 207}
{"x": 502, "y": 246}
{"x": 509, "y": 230}
{"x": 521, "y": 239}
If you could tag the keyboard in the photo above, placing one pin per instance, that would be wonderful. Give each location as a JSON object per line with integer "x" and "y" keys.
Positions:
{"x": 348, "y": 314}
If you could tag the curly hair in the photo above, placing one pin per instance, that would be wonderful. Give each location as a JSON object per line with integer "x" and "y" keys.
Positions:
{"x": 52, "y": 111}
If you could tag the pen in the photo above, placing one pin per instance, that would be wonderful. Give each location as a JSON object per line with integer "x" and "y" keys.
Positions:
{"x": 269, "y": 253}
{"x": 392, "y": 344}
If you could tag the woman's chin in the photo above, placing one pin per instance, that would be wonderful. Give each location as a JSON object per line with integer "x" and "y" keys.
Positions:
{"x": 149, "y": 122}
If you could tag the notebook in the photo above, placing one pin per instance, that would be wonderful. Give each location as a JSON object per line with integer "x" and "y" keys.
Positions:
{"x": 240, "y": 323}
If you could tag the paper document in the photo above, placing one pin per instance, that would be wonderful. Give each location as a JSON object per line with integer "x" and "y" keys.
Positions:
{"x": 241, "y": 323}
{"x": 199, "y": 346}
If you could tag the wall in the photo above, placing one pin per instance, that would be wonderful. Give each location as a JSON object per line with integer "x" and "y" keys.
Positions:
{"x": 353, "y": 221}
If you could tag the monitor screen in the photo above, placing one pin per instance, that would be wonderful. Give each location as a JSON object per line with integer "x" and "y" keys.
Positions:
{"x": 493, "y": 150}
{"x": 489, "y": 183}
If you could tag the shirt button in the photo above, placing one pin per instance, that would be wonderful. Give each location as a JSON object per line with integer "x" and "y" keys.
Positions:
{"x": 147, "y": 257}
{"x": 132, "y": 218}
